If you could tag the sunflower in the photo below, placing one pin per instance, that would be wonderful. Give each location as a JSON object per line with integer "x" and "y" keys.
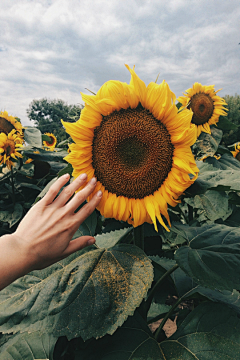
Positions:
{"x": 236, "y": 152}
{"x": 8, "y": 148}
{"x": 9, "y": 123}
{"x": 207, "y": 156}
{"x": 50, "y": 144}
{"x": 205, "y": 104}
{"x": 137, "y": 145}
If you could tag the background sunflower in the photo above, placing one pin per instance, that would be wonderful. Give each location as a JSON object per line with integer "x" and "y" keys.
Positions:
{"x": 236, "y": 152}
{"x": 9, "y": 123}
{"x": 205, "y": 104}
{"x": 9, "y": 145}
{"x": 52, "y": 143}
{"x": 135, "y": 142}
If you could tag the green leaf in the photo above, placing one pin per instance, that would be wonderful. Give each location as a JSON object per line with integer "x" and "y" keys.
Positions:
{"x": 28, "y": 347}
{"x": 212, "y": 257}
{"x": 157, "y": 311}
{"x": 47, "y": 187}
{"x": 89, "y": 296}
{"x": 108, "y": 240}
{"x": 67, "y": 170}
{"x": 33, "y": 136}
{"x": 12, "y": 217}
{"x": 225, "y": 124}
{"x": 47, "y": 155}
{"x": 88, "y": 227}
{"x": 226, "y": 162}
{"x": 229, "y": 298}
{"x": 46, "y": 138}
{"x": 214, "y": 204}
{"x": 206, "y": 144}
{"x": 133, "y": 341}
{"x": 211, "y": 331}
{"x": 228, "y": 178}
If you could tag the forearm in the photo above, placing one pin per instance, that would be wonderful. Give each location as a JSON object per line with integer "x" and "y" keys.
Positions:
{"x": 13, "y": 262}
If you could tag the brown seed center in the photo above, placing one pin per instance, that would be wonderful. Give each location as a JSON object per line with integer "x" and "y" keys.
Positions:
{"x": 202, "y": 107}
{"x": 5, "y": 126}
{"x": 132, "y": 153}
{"x": 238, "y": 156}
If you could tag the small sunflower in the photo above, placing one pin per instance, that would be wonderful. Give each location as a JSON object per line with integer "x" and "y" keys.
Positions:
{"x": 135, "y": 142}
{"x": 236, "y": 152}
{"x": 50, "y": 144}
{"x": 9, "y": 123}
{"x": 9, "y": 145}
{"x": 207, "y": 156}
{"x": 205, "y": 105}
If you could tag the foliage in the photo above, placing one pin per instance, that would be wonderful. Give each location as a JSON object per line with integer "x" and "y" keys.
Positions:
{"x": 47, "y": 115}
{"x": 97, "y": 303}
{"x": 231, "y": 132}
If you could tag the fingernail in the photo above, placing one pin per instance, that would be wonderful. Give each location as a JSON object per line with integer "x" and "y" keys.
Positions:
{"x": 83, "y": 176}
{"x": 91, "y": 242}
{"x": 93, "y": 181}
{"x": 99, "y": 193}
{"x": 65, "y": 176}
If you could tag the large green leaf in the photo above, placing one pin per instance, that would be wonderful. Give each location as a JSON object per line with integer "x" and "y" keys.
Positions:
{"x": 33, "y": 136}
{"x": 228, "y": 179}
{"x": 110, "y": 239}
{"x": 211, "y": 331}
{"x": 28, "y": 347}
{"x": 133, "y": 341}
{"x": 88, "y": 296}
{"x": 212, "y": 256}
{"x": 214, "y": 205}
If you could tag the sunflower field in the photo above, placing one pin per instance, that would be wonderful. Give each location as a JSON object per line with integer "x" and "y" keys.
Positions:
{"x": 167, "y": 230}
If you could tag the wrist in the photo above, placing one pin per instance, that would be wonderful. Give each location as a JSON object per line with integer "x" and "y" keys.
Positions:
{"x": 14, "y": 262}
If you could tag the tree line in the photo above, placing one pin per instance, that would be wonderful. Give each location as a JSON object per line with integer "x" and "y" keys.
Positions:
{"x": 47, "y": 114}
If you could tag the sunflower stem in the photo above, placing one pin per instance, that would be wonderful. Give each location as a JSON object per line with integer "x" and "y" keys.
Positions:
{"x": 139, "y": 236}
{"x": 159, "y": 282}
{"x": 166, "y": 318}
{"x": 13, "y": 190}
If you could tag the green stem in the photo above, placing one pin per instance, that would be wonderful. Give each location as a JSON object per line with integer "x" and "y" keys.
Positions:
{"x": 12, "y": 183}
{"x": 152, "y": 291}
{"x": 166, "y": 318}
{"x": 190, "y": 213}
{"x": 139, "y": 236}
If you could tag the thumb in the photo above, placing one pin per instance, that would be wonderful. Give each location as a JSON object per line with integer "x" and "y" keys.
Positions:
{"x": 78, "y": 244}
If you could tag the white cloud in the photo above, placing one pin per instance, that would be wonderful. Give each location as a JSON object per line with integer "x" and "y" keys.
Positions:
{"x": 57, "y": 48}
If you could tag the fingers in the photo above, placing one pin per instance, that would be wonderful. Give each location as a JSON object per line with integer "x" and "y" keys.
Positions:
{"x": 88, "y": 208}
{"x": 81, "y": 196}
{"x": 54, "y": 189}
{"x": 69, "y": 190}
{"x": 78, "y": 244}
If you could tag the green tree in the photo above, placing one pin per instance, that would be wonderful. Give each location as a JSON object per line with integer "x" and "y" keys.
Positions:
{"x": 232, "y": 136}
{"x": 47, "y": 115}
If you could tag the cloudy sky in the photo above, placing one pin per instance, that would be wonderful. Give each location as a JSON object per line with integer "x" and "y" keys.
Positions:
{"x": 57, "y": 48}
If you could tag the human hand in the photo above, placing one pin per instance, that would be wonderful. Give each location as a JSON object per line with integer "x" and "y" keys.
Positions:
{"x": 43, "y": 236}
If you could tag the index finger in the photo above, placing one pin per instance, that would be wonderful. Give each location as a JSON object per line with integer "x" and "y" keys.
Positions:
{"x": 54, "y": 189}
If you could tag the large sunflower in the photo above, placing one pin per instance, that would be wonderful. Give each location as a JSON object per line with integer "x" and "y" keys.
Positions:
{"x": 236, "y": 152}
{"x": 137, "y": 145}
{"x": 205, "y": 104}
{"x": 9, "y": 123}
{"x": 9, "y": 145}
{"x": 52, "y": 143}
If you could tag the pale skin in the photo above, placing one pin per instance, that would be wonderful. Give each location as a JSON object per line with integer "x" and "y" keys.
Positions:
{"x": 44, "y": 235}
